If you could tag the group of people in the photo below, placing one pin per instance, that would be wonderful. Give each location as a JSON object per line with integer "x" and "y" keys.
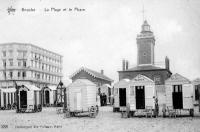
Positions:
{"x": 103, "y": 99}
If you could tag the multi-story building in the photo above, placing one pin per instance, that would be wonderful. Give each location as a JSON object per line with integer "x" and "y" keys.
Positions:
{"x": 27, "y": 63}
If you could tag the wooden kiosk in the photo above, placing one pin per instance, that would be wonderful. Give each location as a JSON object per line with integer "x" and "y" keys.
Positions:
{"x": 29, "y": 98}
{"x": 141, "y": 96}
{"x": 120, "y": 89}
{"x": 179, "y": 96}
{"x": 81, "y": 98}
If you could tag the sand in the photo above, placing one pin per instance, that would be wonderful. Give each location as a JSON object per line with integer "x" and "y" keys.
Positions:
{"x": 106, "y": 121}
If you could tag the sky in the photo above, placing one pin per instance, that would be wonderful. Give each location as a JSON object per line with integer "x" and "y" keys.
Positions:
{"x": 104, "y": 32}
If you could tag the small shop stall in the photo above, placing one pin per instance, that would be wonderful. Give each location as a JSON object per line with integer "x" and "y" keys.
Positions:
{"x": 179, "y": 96}
{"x": 196, "y": 93}
{"x": 29, "y": 98}
{"x": 49, "y": 96}
{"x": 141, "y": 95}
{"x": 120, "y": 89}
{"x": 81, "y": 98}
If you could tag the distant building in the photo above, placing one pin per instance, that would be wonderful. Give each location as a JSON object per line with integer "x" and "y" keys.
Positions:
{"x": 102, "y": 82}
{"x": 98, "y": 78}
{"x": 146, "y": 59}
{"x": 27, "y": 63}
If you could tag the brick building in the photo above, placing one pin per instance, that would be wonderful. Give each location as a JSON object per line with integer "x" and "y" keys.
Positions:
{"x": 145, "y": 59}
{"x": 27, "y": 63}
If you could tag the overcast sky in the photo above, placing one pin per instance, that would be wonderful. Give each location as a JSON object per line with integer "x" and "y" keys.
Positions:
{"x": 105, "y": 33}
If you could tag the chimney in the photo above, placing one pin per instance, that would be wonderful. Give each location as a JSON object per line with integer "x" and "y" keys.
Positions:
{"x": 166, "y": 63}
{"x": 127, "y": 64}
{"x": 123, "y": 64}
{"x": 102, "y": 72}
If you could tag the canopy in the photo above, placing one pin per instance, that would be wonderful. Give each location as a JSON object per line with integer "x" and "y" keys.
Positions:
{"x": 32, "y": 87}
{"x": 52, "y": 87}
{"x": 8, "y": 90}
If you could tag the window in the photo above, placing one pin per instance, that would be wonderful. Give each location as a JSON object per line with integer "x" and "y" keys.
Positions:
{"x": 42, "y": 66}
{"x": 24, "y": 53}
{"x": 24, "y": 63}
{"x": 4, "y": 74}
{"x": 4, "y": 53}
{"x": 11, "y": 62}
{"x": 38, "y": 76}
{"x": 19, "y": 74}
{"x": 197, "y": 92}
{"x": 4, "y": 63}
{"x": 11, "y": 74}
{"x": 19, "y": 53}
{"x": 177, "y": 88}
{"x": 10, "y": 53}
{"x": 23, "y": 74}
{"x": 19, "y": 63}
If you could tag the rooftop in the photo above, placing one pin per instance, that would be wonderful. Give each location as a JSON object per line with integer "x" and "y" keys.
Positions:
{"x": 16, "y": 43}
{"x": 92, "y": 73}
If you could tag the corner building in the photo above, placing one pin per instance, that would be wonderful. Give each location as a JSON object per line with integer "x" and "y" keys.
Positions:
{"x": 27, "y": 63}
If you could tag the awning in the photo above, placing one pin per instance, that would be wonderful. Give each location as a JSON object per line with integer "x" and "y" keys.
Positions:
{"x": 52, "y": 87}
{"x": 32, "y": 87}
{"x": 8, "y": 90}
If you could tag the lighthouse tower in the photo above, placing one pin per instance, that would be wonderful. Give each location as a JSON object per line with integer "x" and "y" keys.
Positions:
{"x": 145, "y": 46}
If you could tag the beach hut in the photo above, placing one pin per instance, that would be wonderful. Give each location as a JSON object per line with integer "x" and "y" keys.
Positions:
{"x": 106, "y": 92}
{"x": 196, "y": 93}
{"x": 141, "y": 94}
{"x": 49, "y": 95}
{"x": 7, "y": 98}
{"x": 29, "y": 98}
{"x": 120, "y": 94}
{"x": 179, "y": 95}
{"x": 82, "y": 97}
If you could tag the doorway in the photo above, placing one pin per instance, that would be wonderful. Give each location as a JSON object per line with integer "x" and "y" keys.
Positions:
{"x": 23, "y": 99}
{"x": 177, "y": 96}
{"x": 122, "y": 96}
{"x": 140, "y": 97}
{"x": 109, "y": 95}
{"x": 47, "y": 97}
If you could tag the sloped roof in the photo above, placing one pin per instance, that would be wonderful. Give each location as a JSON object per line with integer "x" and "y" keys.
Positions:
{"x": 51, "y": 87}
{"x": 144, "y": 67}
{"x": 32, "y": 87}
{"x": 92, "y": 73}
{"x": 122, "y": 83}
{"x": 177, "y": 78}
{"x": 196, "y": 81}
